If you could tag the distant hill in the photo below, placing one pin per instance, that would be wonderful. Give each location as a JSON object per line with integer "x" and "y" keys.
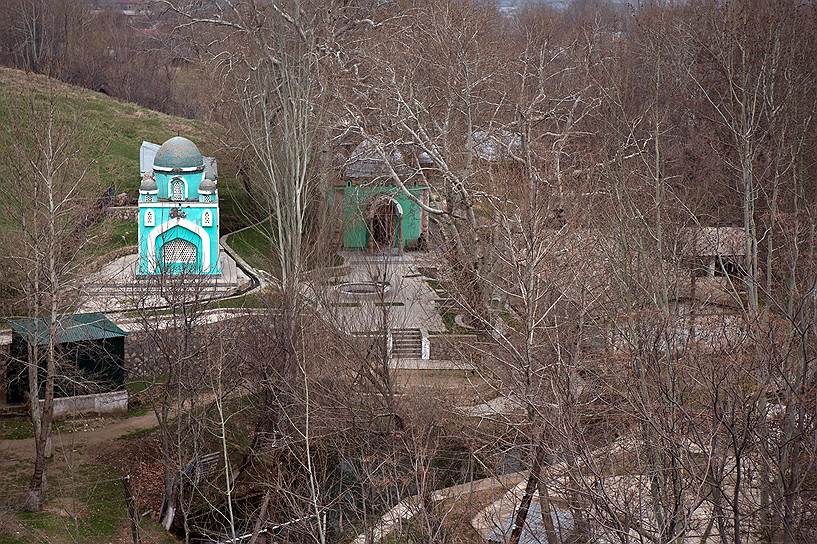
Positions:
{"x": 119, "y": 126}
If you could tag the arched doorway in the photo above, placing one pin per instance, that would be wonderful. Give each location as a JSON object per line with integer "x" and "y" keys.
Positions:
{"x": 384, "y": 221}
{"x": 178, "y": 228}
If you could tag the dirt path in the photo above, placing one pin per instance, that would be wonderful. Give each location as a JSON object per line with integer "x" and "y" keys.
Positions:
{"x": 110, "y": 430}
{"x": 24, "y": 449}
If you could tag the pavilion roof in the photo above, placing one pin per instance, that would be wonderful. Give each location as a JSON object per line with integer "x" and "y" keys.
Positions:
{"x": 70, "y": 328}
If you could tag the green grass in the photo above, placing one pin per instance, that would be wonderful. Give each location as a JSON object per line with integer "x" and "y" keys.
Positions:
{"x": 99, "y": 490}
{"x": 438, "y": 288}
{"x": 137, "y": 410}
{"x": 110, "y": 133}
{"x": 138, "y": 433}
{"x": 118, "y": 127}
{"x": 451, "y": 325}
{"x": 106, "y": 505}
{"x": 98, "y": 495}
{"x": 111, "y": 235}
{"x": 136, "y": 405}
{"x": 237, "y": 207}
{"x": 138, "y": 385}
{"x": 41, "y": 521}
{"x": 253, "y": 244}
{"x": 141, "y": 384}
{"x": 252, "y": 300}
{"x": 121, "y": 233}
{"x": 18, "y": 428}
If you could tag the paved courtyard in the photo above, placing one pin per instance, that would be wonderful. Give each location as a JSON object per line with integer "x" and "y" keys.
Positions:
{"x": 116, "y": 287}
{"x": 408, "y": 302}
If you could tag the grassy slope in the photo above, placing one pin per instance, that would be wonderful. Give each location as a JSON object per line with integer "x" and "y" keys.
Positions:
{"x": 119, "y": 126}
{"x": 253, "y": 244}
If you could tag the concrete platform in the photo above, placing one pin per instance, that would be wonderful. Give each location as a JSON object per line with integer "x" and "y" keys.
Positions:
{"x": 116, "y": 286}
{"x": 409, "y": 300}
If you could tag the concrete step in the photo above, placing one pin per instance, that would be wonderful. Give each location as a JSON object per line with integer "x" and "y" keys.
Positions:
{"x": 13, "y": 410}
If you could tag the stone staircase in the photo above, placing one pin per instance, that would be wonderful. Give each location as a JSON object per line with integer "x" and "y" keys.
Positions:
{"x": 406, "y": 344}
{"x": 12, "y": 410}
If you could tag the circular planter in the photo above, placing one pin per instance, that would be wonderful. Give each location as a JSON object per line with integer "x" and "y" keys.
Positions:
{"x": 363, "y": 289}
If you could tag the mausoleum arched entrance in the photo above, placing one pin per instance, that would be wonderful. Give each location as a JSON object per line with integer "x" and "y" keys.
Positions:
{"x": 384, "y": 220}
{"x": 179, "y": 255}
{"x": 179, "y": 247}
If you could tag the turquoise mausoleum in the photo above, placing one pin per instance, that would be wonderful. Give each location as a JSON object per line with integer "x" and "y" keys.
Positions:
{"x": 178, "y": 213}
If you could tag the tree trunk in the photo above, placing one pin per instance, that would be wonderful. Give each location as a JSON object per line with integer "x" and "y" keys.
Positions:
{"x": 547, "y": 519}
{"x": 133, "y": 511}
{"x": 530, "y": 488}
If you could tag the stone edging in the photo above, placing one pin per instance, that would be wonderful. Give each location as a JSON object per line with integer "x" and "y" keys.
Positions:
{"x": 406, "y": 509}
{"x": 112, "y": 255}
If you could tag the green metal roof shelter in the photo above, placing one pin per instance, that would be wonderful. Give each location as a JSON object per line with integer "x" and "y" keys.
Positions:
{"x": 90, "y": 355}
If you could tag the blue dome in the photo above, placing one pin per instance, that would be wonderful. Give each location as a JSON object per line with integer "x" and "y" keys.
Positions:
{"x": 178, "y": 152}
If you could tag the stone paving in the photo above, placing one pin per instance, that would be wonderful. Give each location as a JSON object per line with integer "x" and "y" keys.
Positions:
{"x": 408, "y": 302}
{"x": 116, "y": 287}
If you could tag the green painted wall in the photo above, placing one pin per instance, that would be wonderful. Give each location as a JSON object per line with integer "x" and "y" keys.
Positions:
{"x": 355, "y": 200}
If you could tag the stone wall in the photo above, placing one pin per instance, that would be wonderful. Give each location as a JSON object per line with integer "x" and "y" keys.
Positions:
{"x": 4, "y": 355}
{"x": 125, "y": 213}
{"x": 112, "y": 403}
{"x": 450, "y": 346}
{"x": 142, "y": 354}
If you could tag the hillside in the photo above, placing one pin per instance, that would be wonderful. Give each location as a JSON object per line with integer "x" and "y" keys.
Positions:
{"x": 120, "y": 126}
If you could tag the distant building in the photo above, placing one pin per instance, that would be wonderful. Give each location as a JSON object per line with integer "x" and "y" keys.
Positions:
{"x": 376, "y": 213}
{"x": 496, "y": 145}
{"x": 178, "y": 211}
{"x": 90, "y": 356}
{"x": 714, "y": 251}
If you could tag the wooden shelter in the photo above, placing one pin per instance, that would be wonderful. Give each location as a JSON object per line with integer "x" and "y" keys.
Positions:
{"x": 90, "y": 351}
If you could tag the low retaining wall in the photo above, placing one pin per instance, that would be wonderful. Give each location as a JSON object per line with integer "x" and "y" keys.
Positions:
{"x": 114, "y": 402}
{"x": 328, "y": 272}
{"x": 125, "y": 213}
{"x": 451, "y": 346}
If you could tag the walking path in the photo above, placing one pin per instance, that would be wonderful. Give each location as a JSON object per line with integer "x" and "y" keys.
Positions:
{"x": 407, "y": 509}
{"x": 243, "y": 280}
{"x": 408, "y": 299}
{"x": 24, "y": 449}
{"x": 495, "y": 521}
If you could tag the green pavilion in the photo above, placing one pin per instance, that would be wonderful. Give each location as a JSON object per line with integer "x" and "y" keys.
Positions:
{"x": 377, "y": 214}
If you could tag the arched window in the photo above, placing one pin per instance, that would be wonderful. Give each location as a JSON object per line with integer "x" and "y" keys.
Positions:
{"x": 207, "y": 219}
{"x": 150, "y": 221}
{"x": 177, "y": 189}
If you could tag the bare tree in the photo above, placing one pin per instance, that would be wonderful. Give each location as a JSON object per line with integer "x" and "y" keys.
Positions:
{"x": 46, "y": 201}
